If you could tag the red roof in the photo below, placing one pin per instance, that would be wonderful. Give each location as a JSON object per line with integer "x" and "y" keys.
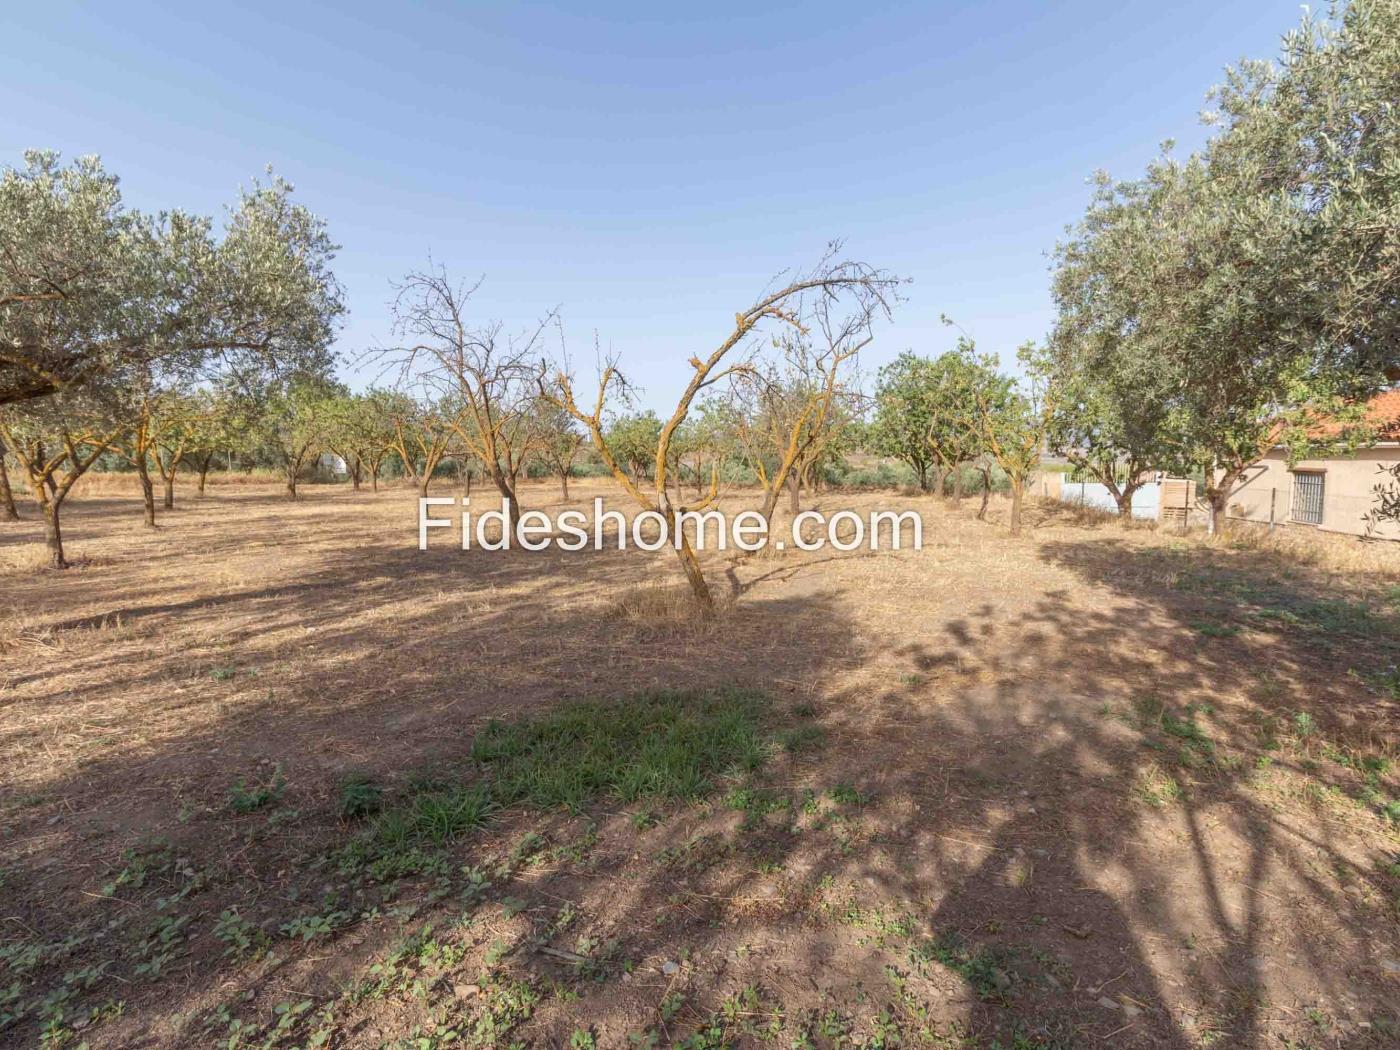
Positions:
{"x": 1383, "y": 413}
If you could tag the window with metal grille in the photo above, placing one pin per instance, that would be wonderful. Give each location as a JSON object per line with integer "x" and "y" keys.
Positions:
{"x": 1307, "y": 498}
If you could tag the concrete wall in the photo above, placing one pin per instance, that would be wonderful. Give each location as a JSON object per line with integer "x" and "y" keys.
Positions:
{"x": 1346, "y": 496}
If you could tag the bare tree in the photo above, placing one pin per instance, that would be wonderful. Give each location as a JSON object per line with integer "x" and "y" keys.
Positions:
{"x": 790, "y": 307}
{"x": 487, "y": 374}
{"x": 794, "y": 410}
{"x": 421, "y": 435}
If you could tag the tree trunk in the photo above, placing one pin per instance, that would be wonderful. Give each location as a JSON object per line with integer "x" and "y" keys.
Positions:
{"x": 505, "y": 483}
{"x": 148, "y": 490}
{"x": 986, "y": 494}
{"x": 204, "y": 472}
{"x": 921, "y": 470}
{"x": 355, "y": 476}
{"x": 564, "y": 483}
{"x": 694, "y": 575}
{"x": 937, "y": 480}
{"x": 170, "y": 493}
{"x": 53, "y": 534}
{"x": 794, "y": 487}
{"x": 8, "y": 510}
{"x": 1124, "y": 498}
{"x": 957, "y": 484}
{"x": 423, "y": 486}
{"x": 292, "y": 471}
{"x": 1017, "y": 488}
{"x": 1219, "y": 497}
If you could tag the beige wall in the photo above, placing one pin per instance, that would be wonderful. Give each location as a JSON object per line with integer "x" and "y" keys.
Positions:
{"x": 1346, "y": 496}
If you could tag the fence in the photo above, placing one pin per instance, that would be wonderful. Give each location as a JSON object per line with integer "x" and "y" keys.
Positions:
{"x": 1167, "y": 499}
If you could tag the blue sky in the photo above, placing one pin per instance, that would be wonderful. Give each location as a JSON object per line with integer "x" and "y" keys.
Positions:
{"x": 645, "y": 167}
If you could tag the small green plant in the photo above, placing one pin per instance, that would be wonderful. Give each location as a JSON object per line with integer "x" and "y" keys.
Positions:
{"x": 240, "y": 937}
{"x": 802, "y": 738}
{"x": 309, "y": 927}
{"x": 360, "y": 797}
{"x": 847, "y": 795}
{"x": 245, "y": 798}
{"x": 1215, "y": 630}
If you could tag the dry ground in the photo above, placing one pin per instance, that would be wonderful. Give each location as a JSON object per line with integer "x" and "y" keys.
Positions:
{"x": 1090, "y": 786}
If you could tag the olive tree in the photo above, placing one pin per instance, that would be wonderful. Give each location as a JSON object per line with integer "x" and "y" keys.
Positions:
{"x": 91, "y": 291}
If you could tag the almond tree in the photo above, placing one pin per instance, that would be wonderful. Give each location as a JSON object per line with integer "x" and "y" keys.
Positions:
{"x": 362, "y": 433}
{"x": 486, "y": 374}
{"x": 420, "y": 433}
{"x": 294, "y": 420}
{"x": 794, "y": 407}
{"x": 788, "y": 307}
{"x": 559, "y": 441}
{"x": 1012, "y": 425}
{"x": 216, "y": 423}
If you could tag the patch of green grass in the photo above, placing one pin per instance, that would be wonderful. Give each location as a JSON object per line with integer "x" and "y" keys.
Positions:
{"x": 655, "y": 747}
{"x": 986, "y": 970}
{"x": 802, "y": 738}
{"x": 1212, "y": 629}
{"x": 664, "y": 745}
{"x": 848, "y": 795}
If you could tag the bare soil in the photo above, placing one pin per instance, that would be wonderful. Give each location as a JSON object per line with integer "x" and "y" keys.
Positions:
{"x": 1089, "y": 786}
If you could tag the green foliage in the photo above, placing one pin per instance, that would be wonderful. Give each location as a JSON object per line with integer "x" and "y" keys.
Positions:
{"x": 246, "y": 798}
{"x": 360, "y": 796}
{"x": 633, "y": 440}
{"x": 926, "y": 411}
{"x": 91, "y": 291}
{"x": 1223, "y": 304}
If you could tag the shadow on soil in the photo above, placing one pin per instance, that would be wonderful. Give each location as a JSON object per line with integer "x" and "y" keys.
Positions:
{"x": 1053, "y": 827}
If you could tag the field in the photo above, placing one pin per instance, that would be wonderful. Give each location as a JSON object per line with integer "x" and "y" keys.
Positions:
{"x": 272, "y": 777}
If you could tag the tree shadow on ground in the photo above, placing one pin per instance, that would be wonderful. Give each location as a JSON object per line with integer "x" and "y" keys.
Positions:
{"x": 1051, "y": 823}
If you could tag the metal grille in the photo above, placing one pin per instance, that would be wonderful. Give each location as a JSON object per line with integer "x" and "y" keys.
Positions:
{"x": 1307, "y": 498}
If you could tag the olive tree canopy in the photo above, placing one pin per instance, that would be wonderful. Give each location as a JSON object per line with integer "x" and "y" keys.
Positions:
{"x": 91, "y": 290}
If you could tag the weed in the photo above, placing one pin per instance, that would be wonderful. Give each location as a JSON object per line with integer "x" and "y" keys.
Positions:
{"x": 246, "y": 799}
{"x": 241, "y": 938}
{"x": 1156, "y": 788}
{"x": 802, "y": 738}
{"x": 360, "y": 797}
{"x": 985, "y": 970}
{"x": 846, "y": 795}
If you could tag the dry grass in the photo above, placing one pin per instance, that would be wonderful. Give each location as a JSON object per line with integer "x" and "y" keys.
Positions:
{"x": 1329, "y": 551}
{"x": 956, "y": 737}
{"x": 126, "y": 483}
{"x": 22, "y": 558}
{"x": 658, "y": 606}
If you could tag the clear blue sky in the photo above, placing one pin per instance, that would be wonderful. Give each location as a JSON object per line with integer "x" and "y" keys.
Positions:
{"x": 645, "y": 167}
